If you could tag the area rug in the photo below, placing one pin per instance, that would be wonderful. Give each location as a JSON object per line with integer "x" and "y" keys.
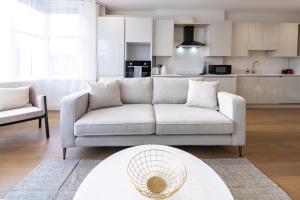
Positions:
{"x": 59, "y": 180}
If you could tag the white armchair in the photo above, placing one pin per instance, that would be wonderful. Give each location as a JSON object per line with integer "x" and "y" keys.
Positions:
{"x": 37, "y": 110}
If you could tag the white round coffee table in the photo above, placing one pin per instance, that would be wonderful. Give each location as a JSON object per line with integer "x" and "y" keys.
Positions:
{"x": 109, "y": 179}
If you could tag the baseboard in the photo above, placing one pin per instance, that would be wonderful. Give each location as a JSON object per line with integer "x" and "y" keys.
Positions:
{"x": 273, "y": 105}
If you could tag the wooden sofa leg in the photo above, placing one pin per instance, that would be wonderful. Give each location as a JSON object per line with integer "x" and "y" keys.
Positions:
{"x": 40, "y": 122}
{"x": 64, "y": 153}
{"x": 240, "y": 150}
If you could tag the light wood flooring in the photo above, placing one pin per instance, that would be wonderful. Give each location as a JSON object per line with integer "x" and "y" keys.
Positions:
{"x": 273, "y": 145}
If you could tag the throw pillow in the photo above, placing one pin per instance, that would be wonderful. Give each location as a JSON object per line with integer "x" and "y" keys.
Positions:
{"x": 202, "y": 94}
{"x": 12, "y": 98}
{"x": 104, "y": 94}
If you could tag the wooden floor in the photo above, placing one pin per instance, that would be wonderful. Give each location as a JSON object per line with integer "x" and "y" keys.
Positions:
{"x": 273, "y": 145}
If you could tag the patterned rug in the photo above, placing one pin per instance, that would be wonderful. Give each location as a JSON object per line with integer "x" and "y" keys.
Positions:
{"x": 59, "y": 180}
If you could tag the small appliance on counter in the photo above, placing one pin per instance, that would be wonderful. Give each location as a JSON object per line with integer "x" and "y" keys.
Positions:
{"x": 287, "y": 71}
{"x": 159, "y": 70}
{"x": 219, "y": 69}
{"x": 137, "y": 68}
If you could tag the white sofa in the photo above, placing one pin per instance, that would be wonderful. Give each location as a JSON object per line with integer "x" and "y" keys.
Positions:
{"x": 153, "y": 112}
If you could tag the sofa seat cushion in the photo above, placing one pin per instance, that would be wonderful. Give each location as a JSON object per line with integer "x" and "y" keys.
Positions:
{"x": 128, "y": 119}
{"x": 19, "y": 114}
{"x": 181, "y": 119}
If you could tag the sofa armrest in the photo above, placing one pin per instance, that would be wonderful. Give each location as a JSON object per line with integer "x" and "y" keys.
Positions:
{"x": 72, "y": 107}
{"x": 234, "y": 107}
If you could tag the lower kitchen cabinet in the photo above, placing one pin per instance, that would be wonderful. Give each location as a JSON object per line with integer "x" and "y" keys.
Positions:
{"x": 291, "y": 89}
{"x": 269, "y": 90}
{"x": 227, "y": 84}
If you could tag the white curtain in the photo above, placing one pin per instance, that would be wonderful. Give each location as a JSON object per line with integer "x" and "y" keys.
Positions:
{"x": 52, "y": 42}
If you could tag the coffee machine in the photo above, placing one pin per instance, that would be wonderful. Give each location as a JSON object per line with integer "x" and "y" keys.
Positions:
{"x": 137, "y": 68}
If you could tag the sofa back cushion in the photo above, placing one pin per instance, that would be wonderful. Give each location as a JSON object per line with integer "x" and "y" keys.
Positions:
{"x": 171, "y": 90}
{"x": 12, "y": 98}
{"x": 136, "y": 90}
{"x": 104, "y": 95}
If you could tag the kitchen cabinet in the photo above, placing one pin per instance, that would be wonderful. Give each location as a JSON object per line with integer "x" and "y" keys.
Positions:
{"x": 291, "y": 89}
{"x": 271, "y": 31}
{"x": 138, "y": 29}
{"x": 269, "y": 90}
{"x": 220, "y": 38}
{"x": 227, "y": 84}
{"x": 240, "y": 32}
{"x": 256, "y": 36}
{"x": 163, "y": 38}
{"x": 263, "y": 36}
{"x": 260, "y": 90}
{"x": 110, "y": 47}
{"x": 287, "y": 41}
{"x": 248, "y": 88}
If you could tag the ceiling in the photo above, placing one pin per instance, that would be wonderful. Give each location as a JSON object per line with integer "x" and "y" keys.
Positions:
{"x": 226, "y": 5}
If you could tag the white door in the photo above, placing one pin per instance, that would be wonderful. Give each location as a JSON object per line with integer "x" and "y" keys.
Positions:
{"x": 240, "y": 32}
{"x": 163, "y": 38}
{"x": 256, "y": 36}
{"x": 138, "y": 29}
{"x": 110, "y": 47}
{"x": 220, "y": 38}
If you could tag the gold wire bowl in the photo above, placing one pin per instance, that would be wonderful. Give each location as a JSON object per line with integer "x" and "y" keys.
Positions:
{"x": 156, "y": 174}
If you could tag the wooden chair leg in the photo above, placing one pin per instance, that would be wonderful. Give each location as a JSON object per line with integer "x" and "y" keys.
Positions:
{"x": 240, "y": 150}
{"x": 40, "y": 122}
{"x": 47, "y": 126}
{"x": 64, "y": 153}
{"x": 46, "y": 117}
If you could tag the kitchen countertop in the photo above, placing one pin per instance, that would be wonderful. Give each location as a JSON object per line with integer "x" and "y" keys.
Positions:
{"x": 229, "y": 75}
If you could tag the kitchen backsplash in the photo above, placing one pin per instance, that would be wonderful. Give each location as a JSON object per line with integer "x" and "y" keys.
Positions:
{"x": 192, "y": 61}
{"x": 267, "y": 65}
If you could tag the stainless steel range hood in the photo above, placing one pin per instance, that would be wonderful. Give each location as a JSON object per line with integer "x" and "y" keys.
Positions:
{"x": 188, "y": 38}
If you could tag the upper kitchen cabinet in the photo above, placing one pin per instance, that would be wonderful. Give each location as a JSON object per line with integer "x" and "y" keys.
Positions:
{"x": 110, "y": 47}
{"x": 256, "y": 36}
{"x": 271, "y": 31}
{"x": 240, "y": 32}
{"x": 220, "y": 38}
{"x": 287, "y": 41}
{"x": 163, "y": 38}
{"x": 138, "y": 29}
{"x": 263, "y": 36}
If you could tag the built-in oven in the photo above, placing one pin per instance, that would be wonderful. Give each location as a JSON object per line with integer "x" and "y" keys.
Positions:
{"x": 219, "y": 69}
{"x": 137, "y": 68}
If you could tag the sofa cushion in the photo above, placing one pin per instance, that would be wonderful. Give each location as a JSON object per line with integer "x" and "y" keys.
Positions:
{"x": 136, "y": 90}
{"x": 104, "y": 94}
{"x": 129, "y": 119}
{"x": 18, "y": 114}
{"x": 11, "y": 98}
{"x": 180, "y": 119}
{"x": 202, "y": 94}
{"x": 171, "y": 90}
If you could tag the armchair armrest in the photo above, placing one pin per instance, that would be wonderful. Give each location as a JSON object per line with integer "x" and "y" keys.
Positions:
{"x": 234, "y": 107}
{"x": 72, "y": 107}
{"x": 40, "y": 102}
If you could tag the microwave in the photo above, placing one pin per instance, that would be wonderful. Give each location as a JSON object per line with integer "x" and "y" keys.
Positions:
{"x": 219, "y": 69}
